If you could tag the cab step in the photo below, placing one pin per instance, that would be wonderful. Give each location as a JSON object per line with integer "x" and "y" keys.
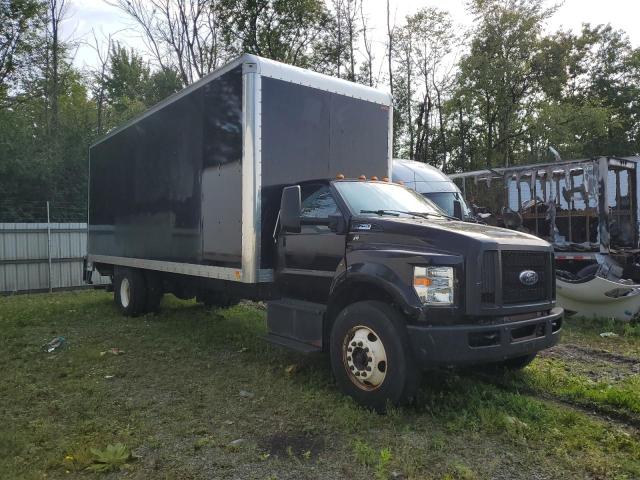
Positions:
{"x": 291, "y": 344}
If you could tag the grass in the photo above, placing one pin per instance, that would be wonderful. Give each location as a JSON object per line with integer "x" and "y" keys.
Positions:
{"x": 197, "y": 394}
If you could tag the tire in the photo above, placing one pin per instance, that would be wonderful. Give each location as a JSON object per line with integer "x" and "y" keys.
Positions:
{"x": 378, "y": 332}
{"x": 212, "y": 299}
{"x": 517, "y": 363}
{"x": 153, "y": 282}
{"x": 130, "y": 292}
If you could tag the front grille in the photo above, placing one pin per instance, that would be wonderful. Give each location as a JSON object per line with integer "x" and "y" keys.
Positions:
{"x": 513, "y": 263}
{"x": 489, "y": 277}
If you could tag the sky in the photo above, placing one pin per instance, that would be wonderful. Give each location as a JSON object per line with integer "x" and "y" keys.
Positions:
{"x": 85, "y": 16}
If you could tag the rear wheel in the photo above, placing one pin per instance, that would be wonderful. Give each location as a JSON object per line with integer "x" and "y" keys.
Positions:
{"x": 130, "y": 293}
{"x": 371, "y": 357}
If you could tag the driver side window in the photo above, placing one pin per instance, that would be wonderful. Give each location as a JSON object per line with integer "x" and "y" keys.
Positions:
{"x": 317, "y": 202}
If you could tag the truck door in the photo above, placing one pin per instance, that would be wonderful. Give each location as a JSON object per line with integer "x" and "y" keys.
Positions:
{"x": 307, "y": 261}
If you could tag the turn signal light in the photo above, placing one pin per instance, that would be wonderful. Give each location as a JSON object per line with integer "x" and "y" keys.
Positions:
{"x": 421, "y": 281}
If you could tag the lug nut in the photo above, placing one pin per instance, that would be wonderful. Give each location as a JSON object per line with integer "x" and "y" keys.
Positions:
{"x": 352, "y": 367}
{"x": 366, "y": 349}
{"x": 368, "y": 369}
{"x": 370, "y": 359}
{"x": 349, "y": 349}
{"x": 349, "y": 358}
{"x": 353, "y": 344}
{"x": 359, "y": 344}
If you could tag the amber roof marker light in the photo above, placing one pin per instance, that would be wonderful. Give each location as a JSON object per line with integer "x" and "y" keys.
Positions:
{"x": 362, "y": 177}
{"x": 374, "y": 179}
{"x": 340, "y": 176}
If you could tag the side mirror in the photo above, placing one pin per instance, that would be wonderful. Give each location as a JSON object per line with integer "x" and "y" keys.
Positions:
{"x": 290, "y": 206}
{"x": 337, "y": 223}
{"x": 457, "y": 209}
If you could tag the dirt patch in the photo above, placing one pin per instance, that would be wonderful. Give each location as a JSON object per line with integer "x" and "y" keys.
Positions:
{"x": 296, "y": 444}
{"x": 594, "y": 363}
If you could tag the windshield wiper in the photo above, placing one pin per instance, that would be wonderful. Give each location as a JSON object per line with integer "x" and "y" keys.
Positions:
{"x": 431, "y": 214}
{"x": 397, "y": 213}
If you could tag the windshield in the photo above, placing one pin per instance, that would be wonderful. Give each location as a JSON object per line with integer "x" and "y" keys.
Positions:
{"x": 374, "y": 198}
{"x": 445, "y": 201}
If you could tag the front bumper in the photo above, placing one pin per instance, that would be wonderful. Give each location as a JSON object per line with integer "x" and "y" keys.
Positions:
{"x": 476, "y": 344}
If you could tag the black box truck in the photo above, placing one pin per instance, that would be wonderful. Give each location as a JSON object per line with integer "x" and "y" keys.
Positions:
{"x": 251, "y": 184}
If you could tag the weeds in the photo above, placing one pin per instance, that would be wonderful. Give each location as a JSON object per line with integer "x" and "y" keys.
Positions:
{"x": 369, "y": 457}
{"x": 110, "y": 459}
{"x": 179, "y": 381}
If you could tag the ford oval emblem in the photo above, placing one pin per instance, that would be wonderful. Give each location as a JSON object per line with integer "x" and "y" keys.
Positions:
{"x": 528, "y": 278}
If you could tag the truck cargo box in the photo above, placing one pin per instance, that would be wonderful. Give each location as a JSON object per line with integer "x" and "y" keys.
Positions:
{"x": 193, "y": 185}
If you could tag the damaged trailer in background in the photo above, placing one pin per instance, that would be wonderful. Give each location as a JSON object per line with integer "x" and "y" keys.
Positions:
{"x": 588, "y": 210}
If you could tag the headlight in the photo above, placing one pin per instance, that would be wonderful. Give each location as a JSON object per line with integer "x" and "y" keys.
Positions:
{"x": 434, "y": 285}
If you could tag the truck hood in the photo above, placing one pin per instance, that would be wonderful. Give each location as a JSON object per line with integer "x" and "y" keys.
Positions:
{"x": 439, "y": 232}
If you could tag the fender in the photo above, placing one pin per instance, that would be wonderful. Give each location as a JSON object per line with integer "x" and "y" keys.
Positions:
{"x": 390, "y": 270}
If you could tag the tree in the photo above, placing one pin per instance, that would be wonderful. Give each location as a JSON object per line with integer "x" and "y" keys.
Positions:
{"x": 421, "y": 46}
{"x": 390, "y": 46}
{"x": 54, "y": 51}
{"x": 185, "y": 35}
{"x": 99, "y": 77}
{"x": 346, "y": 34}
{"x": 19, "y": 22}
{"x": 130, "y": 86}
{"x": 290, "y": 31}
{"x": 499, "y": 77}
{"x": 367, "y": 67}
{"x": 605, "y": 73}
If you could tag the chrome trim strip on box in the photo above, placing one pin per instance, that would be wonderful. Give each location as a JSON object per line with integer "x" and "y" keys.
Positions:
{"x": 250, "y": 175}
{"x": 308, "y": 272}
{"x": 207, "y": 271}
{"x": 390, "y": 143}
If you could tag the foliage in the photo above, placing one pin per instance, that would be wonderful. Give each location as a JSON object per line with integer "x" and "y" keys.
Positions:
{"x": 109, "y": 459}
{"x": 186, "y": 358}
{"x": 19, "y": 22}
{"x": 499, "y": 94}
{"x": 290, "y": 31}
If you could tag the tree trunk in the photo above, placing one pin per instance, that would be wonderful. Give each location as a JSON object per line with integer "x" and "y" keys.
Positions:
{"x": 390, "y": 65}
{"x": 443, "y": 138}
{"x": 461, "y": 133}
{"x": 57, "y": 7}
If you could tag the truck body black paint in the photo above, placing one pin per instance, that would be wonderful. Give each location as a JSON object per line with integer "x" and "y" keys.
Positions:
{"x": 185, "y": 200}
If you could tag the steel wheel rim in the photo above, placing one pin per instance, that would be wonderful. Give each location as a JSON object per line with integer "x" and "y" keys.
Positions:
{"x": 125, "y": 292}
{"x": 364, "y": 358}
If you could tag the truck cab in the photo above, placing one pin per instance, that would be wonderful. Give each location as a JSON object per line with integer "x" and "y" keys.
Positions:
{"x": 388, "y": 284}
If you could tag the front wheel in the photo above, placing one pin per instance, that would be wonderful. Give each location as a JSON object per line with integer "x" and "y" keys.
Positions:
{"x": 371, "y": 357}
